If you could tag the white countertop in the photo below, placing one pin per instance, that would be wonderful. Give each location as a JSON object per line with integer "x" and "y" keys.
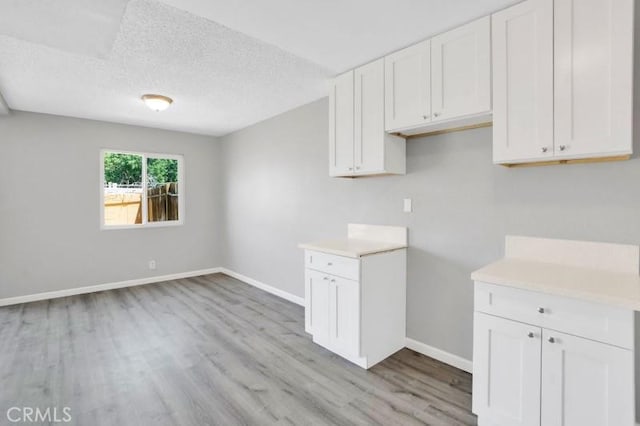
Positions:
{"x": 352, "y": 247}
{"x": 601, "y": 286}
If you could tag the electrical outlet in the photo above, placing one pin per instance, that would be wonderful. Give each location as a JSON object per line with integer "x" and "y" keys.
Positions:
{"x": 152, "y": 264}
{"x": 408, "y": 207}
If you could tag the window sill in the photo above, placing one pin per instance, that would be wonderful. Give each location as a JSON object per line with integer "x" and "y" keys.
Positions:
{"x": 167, "y": 224}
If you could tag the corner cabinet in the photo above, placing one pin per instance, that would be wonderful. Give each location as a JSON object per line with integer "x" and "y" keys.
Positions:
{"x": 356, "y": 307}
{"x": 563, "y": 80}
{"x": 544, "y": 360}
{"x": 440, "y": 83}
{"x": 358, "y": 143}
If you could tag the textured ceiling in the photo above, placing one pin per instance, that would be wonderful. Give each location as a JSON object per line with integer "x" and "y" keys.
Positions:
{"x": 86, "y": 27}
{"x": 341, "y": 34}
{"x": 220, "y": 80}
{"x": 227, "y": 64}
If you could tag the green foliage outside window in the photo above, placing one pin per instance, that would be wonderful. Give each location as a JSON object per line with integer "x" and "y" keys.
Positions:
{"x": 162, "y": 170}
{"x": 126, "y": 169}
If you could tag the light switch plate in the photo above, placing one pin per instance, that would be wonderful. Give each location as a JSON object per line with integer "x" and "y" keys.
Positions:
{"x": 408, "y": 208}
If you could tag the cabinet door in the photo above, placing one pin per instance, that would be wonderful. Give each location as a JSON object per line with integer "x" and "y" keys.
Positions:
{"x": 369, "y": 120}
{"x": 408, "y": 87}
{"x": 344, "y": 322}
{"x": 461, "y": 71}
{"x": 506, "y": 372}
{"x": 593, "y": 77}
{"x": 585, "y": 383}
{"x": 317, "y": 306}
{"x": 341, "y": 120}
{"x": 523, "y": 82}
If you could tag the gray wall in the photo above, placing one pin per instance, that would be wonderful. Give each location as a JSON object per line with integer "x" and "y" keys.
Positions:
{"x": 278, "y": 194}
{"x": 49, "y": 206}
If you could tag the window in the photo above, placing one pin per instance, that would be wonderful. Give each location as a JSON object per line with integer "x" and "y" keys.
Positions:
{"x": 140, "y": 189}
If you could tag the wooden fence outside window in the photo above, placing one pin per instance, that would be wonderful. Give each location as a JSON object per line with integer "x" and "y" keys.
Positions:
{"x": 126, "y": 208}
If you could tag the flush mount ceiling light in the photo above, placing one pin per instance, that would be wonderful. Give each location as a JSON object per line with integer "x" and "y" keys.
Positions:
{"x": 157, "y": 102}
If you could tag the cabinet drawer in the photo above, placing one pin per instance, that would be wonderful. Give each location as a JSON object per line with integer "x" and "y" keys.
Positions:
{"x": 581, "y": 318}
{"x": 341, "y": 266}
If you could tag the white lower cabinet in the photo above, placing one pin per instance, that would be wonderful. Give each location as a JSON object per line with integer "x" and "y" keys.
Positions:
{"x": 344, "y": 316}
{"x": 355, "y": 307}
{"x": 317, "y": 312}
{"x": 527, "y": 375}
{"x": 585, "y": 382}
{"x": 333, "y": 314}
{"x": 506, "y": 372}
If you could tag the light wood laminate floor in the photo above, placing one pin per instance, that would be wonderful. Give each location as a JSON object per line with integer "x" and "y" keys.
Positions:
{"x": 208, "y": 350}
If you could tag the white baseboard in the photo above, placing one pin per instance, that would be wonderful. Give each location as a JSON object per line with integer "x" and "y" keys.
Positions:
{"x": 149, "y": 280}
{"x": 266, "y": 287}
{"x": 440, "y": 355}
{"x": 102, "y": 287}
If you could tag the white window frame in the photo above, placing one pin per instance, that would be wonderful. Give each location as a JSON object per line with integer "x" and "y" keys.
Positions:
{"x": 145, "y": 224}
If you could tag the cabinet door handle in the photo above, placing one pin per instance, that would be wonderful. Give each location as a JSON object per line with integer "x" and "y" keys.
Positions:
{"x": 530, "y": 335}
{"x": 544, "y": 149}
{"x": 329, "y": 263}
{"x": 325, "y": 278}
{"x": 563, "y": 147}
{"x": 333, "y": 281}
{"x": 425, "y": 117}
{"x": 357, "y": 167}
{"x": 350, "y": 168}
{"x": 552, "y": 340}
{"x": 436, "y": 114}
{"x": 541, "y": 310}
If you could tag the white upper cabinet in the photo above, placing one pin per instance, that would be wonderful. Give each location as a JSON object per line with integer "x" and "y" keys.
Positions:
{"x": 461, "y": 71}
{"x": 369, "y": 124}
{"x": 358, "y": 143}
{"x": 408, "y": 87}
{"x": 593, "y": 41}
{"x": 563, "y": 80}
{"x": 442, "y": 83}
{"x": 523, "y": 82}
{"x": 341, "y": 125}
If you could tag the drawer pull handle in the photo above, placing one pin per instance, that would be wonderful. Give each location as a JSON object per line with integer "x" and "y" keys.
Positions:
{"x": 333, "y": 281}
{"x": 325, "y": 278}
{"x": 541, "y": 310}
{"x": 530, "y": 335}
{"x": 329, "y": 264}
{"x": 552, "y": 340}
